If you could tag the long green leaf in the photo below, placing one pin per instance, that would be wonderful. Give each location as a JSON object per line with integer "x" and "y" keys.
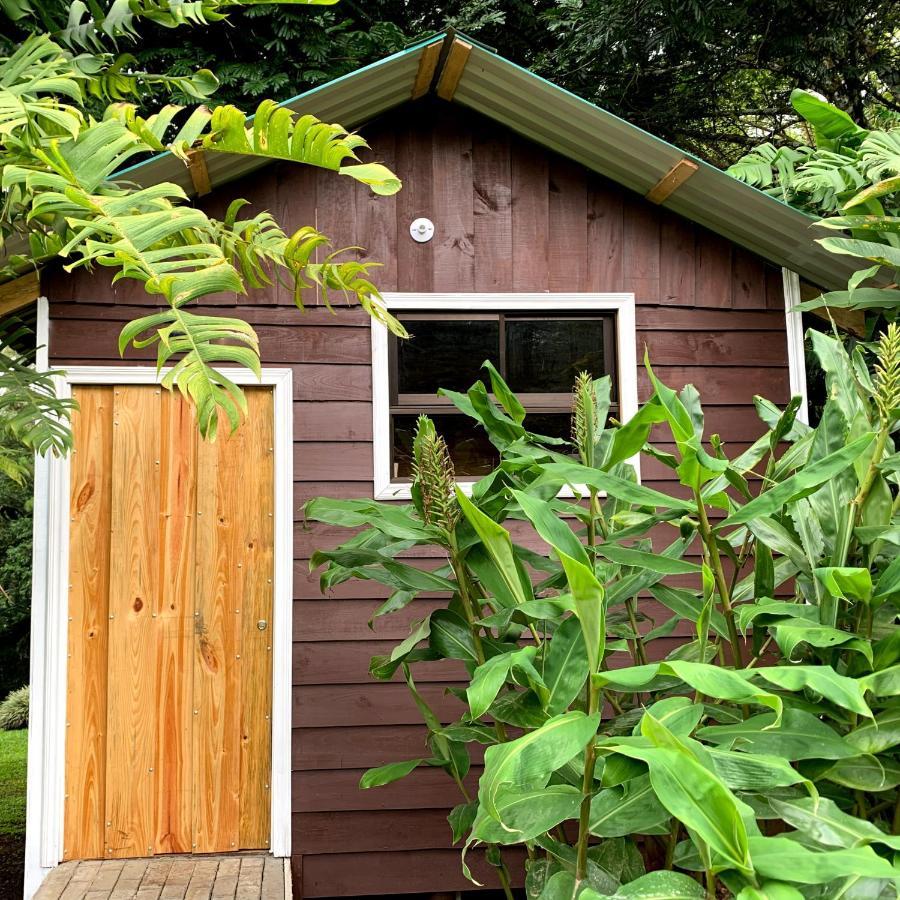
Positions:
{"x": 799, "y": 735}
{"x": 654, "y": 562}
{"x": 550, "y": 527}
{"x": 388, "y": 773}
{"x": 630, "y": 808}
{"x": 590, "y": 607}
{"x": 496, "y": 541}
{"x": 529, "y": 761}
{"x": 776, "y": 857}
{"x": 692, "y": 793}
{"x": 826, "y": 823}
{"x": 800, "y": 485}
{"x": 848, "y": 693}
{"x": 566, "y": 665}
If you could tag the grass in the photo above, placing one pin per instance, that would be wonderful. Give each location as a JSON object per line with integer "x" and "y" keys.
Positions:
{"x": 13, "y": 754}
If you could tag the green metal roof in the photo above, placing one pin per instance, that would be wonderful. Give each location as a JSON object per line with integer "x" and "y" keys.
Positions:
{"x": 559, "y": 120}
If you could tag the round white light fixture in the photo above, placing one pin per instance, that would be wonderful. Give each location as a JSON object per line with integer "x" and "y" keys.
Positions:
{"x": 421, "y": 230}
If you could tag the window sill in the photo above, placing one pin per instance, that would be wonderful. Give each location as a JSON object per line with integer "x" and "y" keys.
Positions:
{"x": 401, "y": 491}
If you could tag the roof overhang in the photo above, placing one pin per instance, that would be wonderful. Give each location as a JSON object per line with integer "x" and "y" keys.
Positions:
{"x": 459, "y": 70}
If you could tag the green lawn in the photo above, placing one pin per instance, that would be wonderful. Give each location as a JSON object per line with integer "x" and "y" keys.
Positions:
{"x": 13, "y": 753}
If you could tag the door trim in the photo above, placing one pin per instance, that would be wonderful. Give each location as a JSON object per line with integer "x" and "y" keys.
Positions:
{"x": 47, "y": 719}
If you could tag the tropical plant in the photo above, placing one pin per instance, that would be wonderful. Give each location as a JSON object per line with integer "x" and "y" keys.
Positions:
{"x": 851, "y": 176}
{"x": 63, "y": 200}
{"x": 14, "y": 710}
{"x": 32, "y": 418}
{"x": 760, "y": 755}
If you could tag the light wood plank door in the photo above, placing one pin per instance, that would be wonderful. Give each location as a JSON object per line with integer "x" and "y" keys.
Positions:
{"x": 169, "y": 687}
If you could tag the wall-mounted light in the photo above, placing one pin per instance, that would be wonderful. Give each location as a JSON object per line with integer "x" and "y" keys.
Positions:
{"x": 421, "y": 230}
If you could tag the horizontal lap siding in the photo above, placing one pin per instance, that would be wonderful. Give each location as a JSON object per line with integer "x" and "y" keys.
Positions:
{"x": 509, "y": 217}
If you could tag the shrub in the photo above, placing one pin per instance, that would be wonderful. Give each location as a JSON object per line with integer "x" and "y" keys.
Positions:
{"x": 14, "y": 710}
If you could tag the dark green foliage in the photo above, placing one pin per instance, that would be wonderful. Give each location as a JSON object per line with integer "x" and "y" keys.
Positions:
{"x": 705, "y": 76}
{"x": 15, "y": 582}
{"x": 714, "y": 78}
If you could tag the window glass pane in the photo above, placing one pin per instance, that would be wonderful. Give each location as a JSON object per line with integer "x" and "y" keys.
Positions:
{"x": 471, "y": 451}
{"x": 445, "y": 354}
{"x": 557, "y": 425}
{"x": 545, "y": 355}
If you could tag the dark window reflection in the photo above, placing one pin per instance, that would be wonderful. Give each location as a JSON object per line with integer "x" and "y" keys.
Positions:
{"x": 471, "y": 451}
{"x": 445, "y": 354}
{"x": 555, "y": 425}
{"x": 538, "y": 356}
{"x": 545, "y": 355}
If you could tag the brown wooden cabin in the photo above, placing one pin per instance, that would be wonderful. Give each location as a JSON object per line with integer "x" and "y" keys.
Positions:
{"x": 612, "y": 240}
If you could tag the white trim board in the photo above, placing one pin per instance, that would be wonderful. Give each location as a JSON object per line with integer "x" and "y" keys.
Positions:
{"x": 384, "y": 488}
{"x": 793, "y": 322}
{"x": 46, "y": 739}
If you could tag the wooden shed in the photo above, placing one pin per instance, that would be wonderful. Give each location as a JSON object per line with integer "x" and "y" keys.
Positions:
{"x": 192, "y": 689}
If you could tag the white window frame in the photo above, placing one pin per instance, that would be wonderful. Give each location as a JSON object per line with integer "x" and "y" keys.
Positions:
{"x": 622, "y": 305}
{"x": 49, "y": 623}
{"x": 793, "y": 322}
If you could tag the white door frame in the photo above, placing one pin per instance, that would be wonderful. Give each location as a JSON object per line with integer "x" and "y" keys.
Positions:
{"x": 49, "y": 620}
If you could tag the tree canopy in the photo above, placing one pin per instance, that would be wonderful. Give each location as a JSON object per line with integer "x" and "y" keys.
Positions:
{"x": 712, "y": 77}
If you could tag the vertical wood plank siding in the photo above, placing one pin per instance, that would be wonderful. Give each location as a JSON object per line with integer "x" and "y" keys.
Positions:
{"x": 509, "y": 216}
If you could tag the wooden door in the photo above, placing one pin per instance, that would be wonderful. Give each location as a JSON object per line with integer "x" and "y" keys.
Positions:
{"x": 169, "y": 688}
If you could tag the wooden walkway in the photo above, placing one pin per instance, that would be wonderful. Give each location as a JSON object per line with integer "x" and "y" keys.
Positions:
{"x": 241, "y": 876}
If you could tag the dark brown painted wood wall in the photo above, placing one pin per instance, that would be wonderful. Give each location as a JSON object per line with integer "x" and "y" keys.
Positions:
{"x": 509, "y": 217}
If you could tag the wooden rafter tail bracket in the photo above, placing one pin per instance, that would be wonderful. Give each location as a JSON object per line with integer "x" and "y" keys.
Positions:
{"x": 454, "y": 66}
{"x": 852, "y": 320}
{"x": 425, "y": 75}
{"x": 19, "y": 293}
{"x": 198, "y": 172}
{"x": 671, "y": 181}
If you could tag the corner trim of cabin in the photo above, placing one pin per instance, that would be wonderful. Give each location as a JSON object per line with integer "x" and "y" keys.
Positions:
{"x": 43, "y": 783}
{"x": 793, "y": 321}
{"x": 623, "y": 305}
{"x": 46, "y": 737}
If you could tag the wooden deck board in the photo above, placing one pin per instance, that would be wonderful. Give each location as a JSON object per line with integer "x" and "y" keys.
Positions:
{"x": 249, "y": 886}
{"x": 238, "y": 876}
{"x": 179, "y": 878}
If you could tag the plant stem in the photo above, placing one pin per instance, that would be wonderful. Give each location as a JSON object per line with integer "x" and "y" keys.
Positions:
{"x": 592, "y": 524}
{"x": 671, "y": 843}
{"x": 640, "y": 651}
{"x": 715, "y": 559}
{"x": 828, "y": 613}
{"x": 856, "y": 506}
{"x": 587, "y": 792}
{"x": 462, "y": 788}
{"x": 895, "y": 825}
{"x": 759, "y": 655}
{"x": 463, "y": 586}
{"x": 503, "y": 874}
{"x": 863, "y": 810}
{"x": 710, "y": 885}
